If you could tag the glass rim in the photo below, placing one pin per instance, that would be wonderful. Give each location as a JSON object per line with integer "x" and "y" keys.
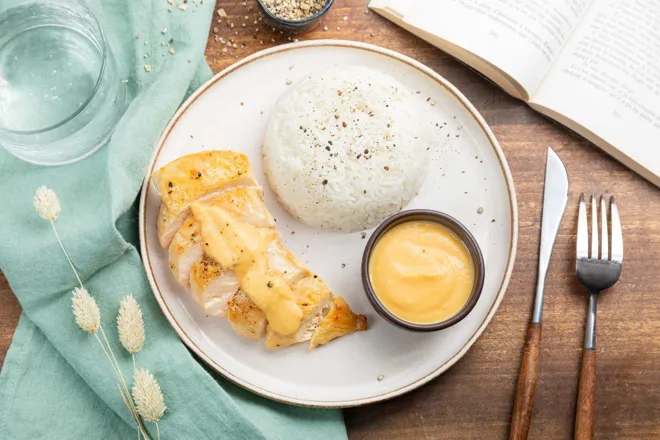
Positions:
{"x": 104, "y": 55}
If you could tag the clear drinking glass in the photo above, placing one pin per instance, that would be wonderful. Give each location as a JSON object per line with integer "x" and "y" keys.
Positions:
{"x": 60, "y": 90}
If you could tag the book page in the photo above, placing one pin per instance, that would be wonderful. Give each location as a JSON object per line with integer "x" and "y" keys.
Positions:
{"x": 607, "y": 78}
{"x": 520, "y": 37}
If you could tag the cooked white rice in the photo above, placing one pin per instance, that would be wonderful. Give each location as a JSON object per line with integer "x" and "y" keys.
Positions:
{"x": 346, "y": 148}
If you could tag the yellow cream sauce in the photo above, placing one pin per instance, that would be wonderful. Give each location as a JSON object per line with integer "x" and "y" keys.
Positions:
{"x": 242, "y": 248}
{"x": 421, "y": 272}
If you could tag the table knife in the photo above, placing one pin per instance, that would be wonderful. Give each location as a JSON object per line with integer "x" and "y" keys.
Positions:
{"x": 555, "y": 196}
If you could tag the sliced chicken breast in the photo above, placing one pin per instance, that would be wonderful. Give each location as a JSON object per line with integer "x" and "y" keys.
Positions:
{"x": 192, "y": 177}
{"x": 225, "y": 179}
{"x": 283, "y": 262}
{"x": 185, "y": 250}
{"x": 212, "y": 287}
{"x": 245, "y": 203}
{"x": 245, "y": 317}
{"x": 339, "y": 321}
{"x": 314, "y": 298}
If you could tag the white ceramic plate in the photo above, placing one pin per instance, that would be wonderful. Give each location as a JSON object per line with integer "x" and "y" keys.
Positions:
{"x": 468, "y": 172}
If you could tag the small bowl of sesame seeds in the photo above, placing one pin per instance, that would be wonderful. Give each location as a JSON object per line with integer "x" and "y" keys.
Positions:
{"x": 294, "y": 16}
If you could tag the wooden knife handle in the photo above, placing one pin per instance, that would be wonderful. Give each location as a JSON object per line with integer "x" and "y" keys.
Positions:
{"x": 529, "y": 370}
{"x": 586, "y": 401}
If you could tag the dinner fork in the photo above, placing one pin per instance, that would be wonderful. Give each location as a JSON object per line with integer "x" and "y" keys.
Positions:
{"x": 596, "y": 272}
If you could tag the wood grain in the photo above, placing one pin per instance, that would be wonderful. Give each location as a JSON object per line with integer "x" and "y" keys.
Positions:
{"x": 523, "y": 402}
{"x": 584, "y": 413}
{"x": 474, "y": 399}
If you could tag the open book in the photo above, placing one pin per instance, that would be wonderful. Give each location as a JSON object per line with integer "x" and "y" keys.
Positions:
{"x": 592, "y": 65}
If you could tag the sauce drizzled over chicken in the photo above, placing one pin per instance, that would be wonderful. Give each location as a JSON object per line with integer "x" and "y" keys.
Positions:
{"x": 241, "y": 247}
{"x": 224, "y": 247}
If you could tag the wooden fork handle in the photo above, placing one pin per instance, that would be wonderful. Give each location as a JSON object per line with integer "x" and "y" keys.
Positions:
{"x": 529, "y": 370}
{"x": 586, "y": 401}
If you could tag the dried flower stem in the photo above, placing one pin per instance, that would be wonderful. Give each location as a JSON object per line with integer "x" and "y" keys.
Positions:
{"x": 66, "y": 254}
{"x": 122, "y": 383}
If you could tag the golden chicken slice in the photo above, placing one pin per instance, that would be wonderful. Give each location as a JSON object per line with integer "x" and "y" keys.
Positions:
{"x": 185, "y": 250}
{"x": 339, "y": 321}
{"x": 245, "y": 317}
{"x": 283, "y": 262}
{"x": 245, "y": 203}
{"x": 196, "y": 176}
{"x": 314, "y": 298}
{"x": 212, "y": 287}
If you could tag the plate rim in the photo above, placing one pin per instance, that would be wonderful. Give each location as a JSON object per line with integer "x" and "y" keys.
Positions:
{"x": 312, "y": 402}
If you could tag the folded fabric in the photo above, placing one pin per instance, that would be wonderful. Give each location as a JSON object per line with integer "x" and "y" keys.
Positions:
{"x": 56, "y": 382}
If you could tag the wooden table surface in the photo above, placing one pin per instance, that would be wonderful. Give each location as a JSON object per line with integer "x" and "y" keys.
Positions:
{"x": 473, "y": 399}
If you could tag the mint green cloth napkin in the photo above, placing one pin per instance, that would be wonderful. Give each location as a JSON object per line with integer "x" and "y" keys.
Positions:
{"x": 56, "y": 382}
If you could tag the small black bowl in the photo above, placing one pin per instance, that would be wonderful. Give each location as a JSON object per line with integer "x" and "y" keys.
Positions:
{"x": 292, "y": 26}
{"x": 456, "y": 227}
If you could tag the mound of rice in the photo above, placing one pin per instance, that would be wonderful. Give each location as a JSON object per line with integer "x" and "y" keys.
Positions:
{"x": 345, "y": 148}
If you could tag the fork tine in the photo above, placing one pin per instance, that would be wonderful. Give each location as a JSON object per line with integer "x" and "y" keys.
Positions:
{"x": 582, "y": 250}
{"x": 617, "y": 236}
{"x": 594, "y": 229}
{"x": 604, "y": 251}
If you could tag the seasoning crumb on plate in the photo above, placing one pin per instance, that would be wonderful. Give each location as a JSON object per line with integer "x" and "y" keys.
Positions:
{"x": 147, "y": 67}
{"x": 480, "y": 210}
{"x": 381, "y": 377}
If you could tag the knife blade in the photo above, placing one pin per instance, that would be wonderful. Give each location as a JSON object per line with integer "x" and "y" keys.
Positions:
{"x": 555, "y": 196}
